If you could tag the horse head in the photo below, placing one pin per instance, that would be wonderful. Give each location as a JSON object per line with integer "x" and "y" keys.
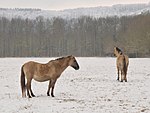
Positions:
{"x": 73, "y": 63}
{"x": 117, "y": 51}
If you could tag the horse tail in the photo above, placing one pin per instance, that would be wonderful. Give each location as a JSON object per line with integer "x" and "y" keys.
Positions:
{"x": 124, "y": 66}
{"x": 23, "y": 86}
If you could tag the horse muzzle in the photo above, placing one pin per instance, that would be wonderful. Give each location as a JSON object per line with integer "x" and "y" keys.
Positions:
{"x": 76, "y": 67}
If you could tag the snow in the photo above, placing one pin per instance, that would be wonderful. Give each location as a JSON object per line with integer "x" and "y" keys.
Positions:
{"x": 91, "y": 89}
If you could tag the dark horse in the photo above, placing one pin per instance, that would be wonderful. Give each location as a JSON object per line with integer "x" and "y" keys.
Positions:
{"x": 122, "y": 63}
{"x": 43, "y": 72}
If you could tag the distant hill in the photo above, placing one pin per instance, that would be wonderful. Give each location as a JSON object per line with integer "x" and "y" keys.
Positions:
{"x": 115, "y": 10}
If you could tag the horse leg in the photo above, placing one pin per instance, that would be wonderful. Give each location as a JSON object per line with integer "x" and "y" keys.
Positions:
{"x": 118, "y": 73}
{"x": 28, "y": 88}
{"x": 49, "y": 86}
{"x": 122, "y": 76}
{"x": 125, "y": 77}
{"x": 31, "y": 91}
{"x": 126, "y": 74}
{"x": 52, "y": 91}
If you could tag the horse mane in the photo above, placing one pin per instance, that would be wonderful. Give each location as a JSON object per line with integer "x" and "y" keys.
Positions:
{"x": 63, "y": 57}
{"x": 60, "y": 58}
{"x": 119, "y": 50}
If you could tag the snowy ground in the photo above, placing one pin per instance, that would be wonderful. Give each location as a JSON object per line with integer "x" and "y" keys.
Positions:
{"x": 92, "y": 89}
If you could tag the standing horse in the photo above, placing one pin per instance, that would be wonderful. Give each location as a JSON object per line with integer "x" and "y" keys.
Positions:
{"x": 122, "y": 63}
{"x": 43, "y": 72}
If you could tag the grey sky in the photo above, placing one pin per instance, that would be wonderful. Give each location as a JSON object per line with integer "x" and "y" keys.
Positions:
{"x": 63, "y": 4}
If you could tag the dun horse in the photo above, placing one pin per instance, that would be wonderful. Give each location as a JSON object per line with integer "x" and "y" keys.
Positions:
{"x": 122, "y": 63}
{"x": 43, "y": 72}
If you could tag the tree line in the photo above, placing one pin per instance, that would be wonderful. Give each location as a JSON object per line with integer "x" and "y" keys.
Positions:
{"x": 84, "y": 36}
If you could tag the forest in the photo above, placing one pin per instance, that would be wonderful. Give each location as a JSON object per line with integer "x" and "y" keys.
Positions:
{"x": 82, "y": 37}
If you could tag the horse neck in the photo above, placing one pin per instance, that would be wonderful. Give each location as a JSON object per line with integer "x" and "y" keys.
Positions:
{"x": 117, "y": 55}
{"x": 120, "y": 55}
{"x": 63, "y": 63}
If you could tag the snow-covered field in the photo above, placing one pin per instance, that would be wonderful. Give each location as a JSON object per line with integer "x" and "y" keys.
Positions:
{"x": 92, "y": 89}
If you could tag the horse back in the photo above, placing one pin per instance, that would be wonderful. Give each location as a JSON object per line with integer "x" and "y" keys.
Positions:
{"x": 35, "y": 68}
{"x": 39, "y": 70}
{"x": 121, "y": 61}
{"x": 29, "y": 66}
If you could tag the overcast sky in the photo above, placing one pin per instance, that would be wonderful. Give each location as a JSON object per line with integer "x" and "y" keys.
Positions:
{"x": 63, "y": 4}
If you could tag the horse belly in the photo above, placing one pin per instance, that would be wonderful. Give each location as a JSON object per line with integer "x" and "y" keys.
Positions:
{"x": 41, "y": 78}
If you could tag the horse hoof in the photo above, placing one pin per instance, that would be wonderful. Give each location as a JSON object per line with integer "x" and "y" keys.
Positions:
{"x": 52, "y": 95}
{"x": 121, "y": 81}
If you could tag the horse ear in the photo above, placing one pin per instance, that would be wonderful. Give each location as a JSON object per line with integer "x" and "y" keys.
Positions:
{"x": 70, "y": 56}
{"x": 120, "y": 52}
